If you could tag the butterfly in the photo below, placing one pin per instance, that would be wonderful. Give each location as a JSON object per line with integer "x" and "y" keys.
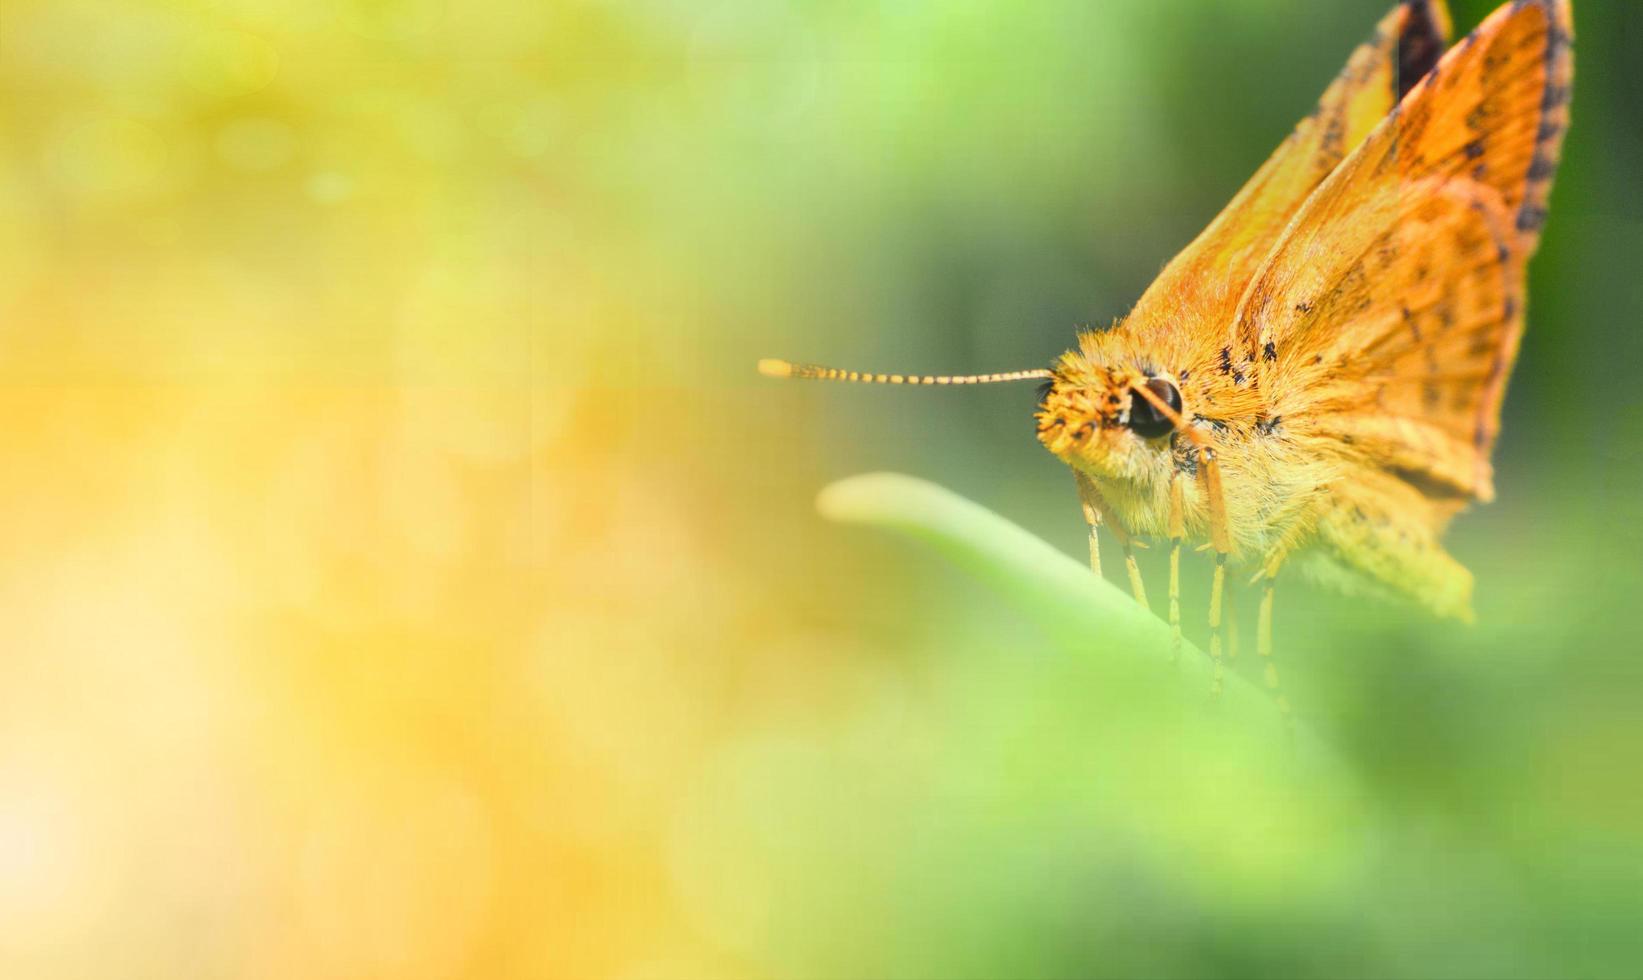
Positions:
{"x": 1316, "y": 380}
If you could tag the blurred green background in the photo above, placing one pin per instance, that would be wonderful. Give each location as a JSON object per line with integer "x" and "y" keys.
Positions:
{"x": 406, "y": 574}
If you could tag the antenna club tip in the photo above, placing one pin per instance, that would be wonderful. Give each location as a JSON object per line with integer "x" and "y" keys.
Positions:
{"x": 772, "y": 367}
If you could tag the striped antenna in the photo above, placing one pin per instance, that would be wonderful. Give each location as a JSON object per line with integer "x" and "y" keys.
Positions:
{"x": 785, "y": 369}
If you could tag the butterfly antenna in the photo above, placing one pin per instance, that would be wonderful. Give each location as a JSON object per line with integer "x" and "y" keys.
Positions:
{"x": 775, "y": 368}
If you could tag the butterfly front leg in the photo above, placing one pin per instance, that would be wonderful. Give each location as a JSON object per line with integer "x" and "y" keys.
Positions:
{"x": 1096, "y": 513}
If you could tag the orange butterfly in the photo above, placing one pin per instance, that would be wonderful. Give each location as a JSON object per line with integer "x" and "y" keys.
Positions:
{"x": 1317, "y": 379}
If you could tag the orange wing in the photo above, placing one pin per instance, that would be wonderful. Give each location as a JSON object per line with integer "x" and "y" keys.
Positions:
{"x": 1389, "y": 315}
{"x": 1206, "y": 279}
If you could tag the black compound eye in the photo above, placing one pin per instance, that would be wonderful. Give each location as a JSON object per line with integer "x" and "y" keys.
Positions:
{"x": 1146, "y": 420}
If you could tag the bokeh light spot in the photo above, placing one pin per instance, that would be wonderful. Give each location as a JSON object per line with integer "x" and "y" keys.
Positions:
{"x": 256, "y": 145}
{"x": 106, "y": 158}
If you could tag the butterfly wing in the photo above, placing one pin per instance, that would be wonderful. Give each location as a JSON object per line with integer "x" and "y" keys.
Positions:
{"x": 1208, "y": 276}
{"x": 1386, "y": 320}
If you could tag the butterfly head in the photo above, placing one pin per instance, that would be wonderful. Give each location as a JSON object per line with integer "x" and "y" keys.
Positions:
{"x": 1108, "y": 419}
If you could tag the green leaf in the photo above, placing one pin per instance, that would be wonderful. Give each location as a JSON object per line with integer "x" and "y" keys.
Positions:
{"x": 1079, "y": 611}
{"x": 1008, "y": 804}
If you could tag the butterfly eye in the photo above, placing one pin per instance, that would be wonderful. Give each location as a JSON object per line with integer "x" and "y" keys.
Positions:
{"x": 1146, "y": 420}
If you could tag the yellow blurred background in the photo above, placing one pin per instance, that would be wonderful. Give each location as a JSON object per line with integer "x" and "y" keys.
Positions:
{"x": 405, "y": 574}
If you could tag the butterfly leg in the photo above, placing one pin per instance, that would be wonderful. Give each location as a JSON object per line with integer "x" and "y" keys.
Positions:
{"x": 1263, "y": 636}
{"x": 1210, "y": 472}
{"x": 1177, "y": 531}
{"x": 1299, "y": 528}
{"x": 1137, "y": 586}
{"x": 1263, "y": 647}
{"x": 1095, "y": 515}
{"x": 1092, "y": 517}
{"x": 1216, "y": 590}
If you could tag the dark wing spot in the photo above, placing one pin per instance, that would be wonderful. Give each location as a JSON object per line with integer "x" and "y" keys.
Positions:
{"x": 1427, "y": 485}
{"x": 1270, "y": 351}
{"x": 1474, "y": 149}
{"x": 1219, "y": 425}
{"x": 1556, "y": 36}
{"x": 1420, "y": 45}
{"x": 1334, "y": 136}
